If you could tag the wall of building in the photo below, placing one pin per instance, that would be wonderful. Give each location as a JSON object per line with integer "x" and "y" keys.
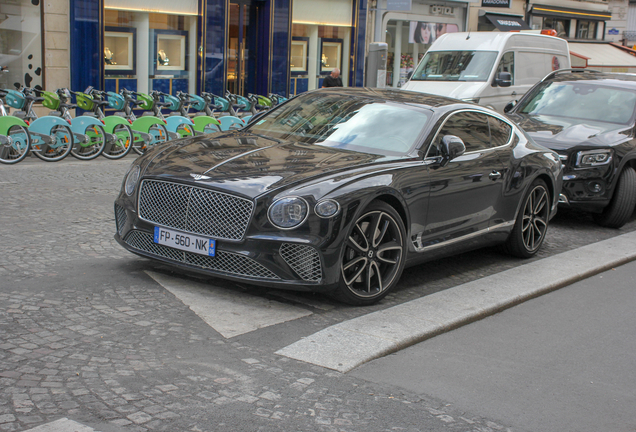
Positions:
{"x": 57, "y": 55}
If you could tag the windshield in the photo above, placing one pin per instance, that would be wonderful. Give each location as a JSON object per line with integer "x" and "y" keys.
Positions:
{"x": 352, "y": 123}
{"x": 581, "y": 101}
{"x": 455, "y": 66}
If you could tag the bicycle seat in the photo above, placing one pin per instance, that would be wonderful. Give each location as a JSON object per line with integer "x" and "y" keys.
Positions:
{"x": 136, "y": 102}
{"x": 100, "y": 102}
{"x": 163, "y": 104}
{"x": 69, "y": 106}
{"x": 33, "y": 98}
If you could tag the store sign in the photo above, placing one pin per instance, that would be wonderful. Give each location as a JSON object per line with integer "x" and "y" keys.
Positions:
{"x": 613, "y": 31}
{"x": 441, "y": 10}
{"x": 495, "y": 3}
{"x": 398, "y": 5}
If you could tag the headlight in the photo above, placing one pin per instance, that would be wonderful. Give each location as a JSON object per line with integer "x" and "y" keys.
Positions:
{"x": 593, "y": 158}
{"x": 327, "y": 208}
{"x": 131, "y": 180}
{"x": 288, "y": 212}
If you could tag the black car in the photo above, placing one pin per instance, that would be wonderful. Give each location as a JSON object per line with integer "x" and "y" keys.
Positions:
{"x": 588, "y": 118}
{"x": 338, "y": 189}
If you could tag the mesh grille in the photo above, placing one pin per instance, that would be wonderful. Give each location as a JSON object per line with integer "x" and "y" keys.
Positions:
{"x": 304, "y": 260}
{"x": 195, "y": 210}
{"x": 120, "y": 218}
{"x": 225, "y": 262}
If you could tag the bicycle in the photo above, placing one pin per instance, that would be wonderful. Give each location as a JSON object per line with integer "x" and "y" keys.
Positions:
{"x": 15, "y": 140}
{"x": 51, "y": 137}
{"x": 147, "y": 130}
{"x": 204, "y": 120}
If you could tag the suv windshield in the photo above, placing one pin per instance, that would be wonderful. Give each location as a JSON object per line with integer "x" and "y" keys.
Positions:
{"x": 581, "y": 100}
{"x": 455, "y": 66}
{"x": 352, "y": 123}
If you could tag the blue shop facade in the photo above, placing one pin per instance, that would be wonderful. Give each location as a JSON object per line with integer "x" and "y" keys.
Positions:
{"x": 242, "y": 46}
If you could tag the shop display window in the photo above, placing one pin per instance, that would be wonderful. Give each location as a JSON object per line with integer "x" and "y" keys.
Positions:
{"x": 119, "y": 50}
{"x": 170, "y": 51}
{"x": 299, "y": 53}
{"x": 330, "y": 55}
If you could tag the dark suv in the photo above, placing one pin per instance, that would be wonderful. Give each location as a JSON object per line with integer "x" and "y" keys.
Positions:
{"x": 587, "y": 117}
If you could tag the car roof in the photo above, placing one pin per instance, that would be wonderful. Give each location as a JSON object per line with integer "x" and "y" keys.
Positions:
{"x": 401, "y": 96}
{"x": 591, "y": 76}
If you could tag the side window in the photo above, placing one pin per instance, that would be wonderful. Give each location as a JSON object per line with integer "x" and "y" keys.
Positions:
{"x": 507, "y": 64}
{"x": 471, "y": 127}
{"x": 499, "y": 132}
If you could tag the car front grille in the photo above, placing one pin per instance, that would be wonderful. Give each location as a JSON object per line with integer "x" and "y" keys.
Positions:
{"x": 304, "y": 260}
{"x": 194, "y": 209}
{"x": 120, "y": 218}
{"x": 224, "y": 262}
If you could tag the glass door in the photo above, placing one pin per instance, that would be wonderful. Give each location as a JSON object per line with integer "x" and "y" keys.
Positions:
{"x": 241, "y": 47}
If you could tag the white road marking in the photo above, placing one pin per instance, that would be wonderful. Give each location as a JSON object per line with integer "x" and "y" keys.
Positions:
{"x": 228, "y": 312}
{"x": 62, "y": 425}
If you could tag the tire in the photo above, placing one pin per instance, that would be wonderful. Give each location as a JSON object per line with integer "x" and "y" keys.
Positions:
{"x": 95, "y": 146}
{"x": 531, "y": 225}
{"x": 373, "y": 256}
{"x": 621, "y": 207}
{"x": 19, "y": 147}
{"x": 63, "y": 143}
{"x": 122, "y": 145}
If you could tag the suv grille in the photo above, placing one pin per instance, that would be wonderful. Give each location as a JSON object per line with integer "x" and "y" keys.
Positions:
{"x": 195, "y": 210}
{"x": 224, "y": 262}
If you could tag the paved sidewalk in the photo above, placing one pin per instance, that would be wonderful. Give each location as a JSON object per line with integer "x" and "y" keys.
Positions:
{"x": 349, "y": 344}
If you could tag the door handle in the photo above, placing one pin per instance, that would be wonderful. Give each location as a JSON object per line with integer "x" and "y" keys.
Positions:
{"x": 514, "y": 93}
{"x": 495, "y": 175}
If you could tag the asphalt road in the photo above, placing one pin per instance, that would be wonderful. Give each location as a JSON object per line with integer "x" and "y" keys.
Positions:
{"x": 86, "y": 333}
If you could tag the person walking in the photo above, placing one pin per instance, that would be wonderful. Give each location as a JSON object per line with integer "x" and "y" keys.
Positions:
{"x": 333, "y": 80}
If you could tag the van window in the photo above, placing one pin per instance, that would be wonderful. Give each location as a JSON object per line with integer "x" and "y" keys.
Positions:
{"x": 455, "y": 66}
{"x": 507, "y": 64}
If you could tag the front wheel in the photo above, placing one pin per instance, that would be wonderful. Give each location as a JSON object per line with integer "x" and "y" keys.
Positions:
{"x": 621, "y": 208}
{"x": 60, "y": 145}
{"x": 122, "y": 143}
{"x": 373, "y": 256}
{"x": 95, "y": 145}
{"x": 17, "y": 146}
{"x": 532, "y": 222}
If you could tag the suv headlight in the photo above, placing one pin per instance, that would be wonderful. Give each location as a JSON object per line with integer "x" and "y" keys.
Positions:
{"x": 131, "y": 180}
{"x": 288, "y": 212}
{"x": 590, "y": 158}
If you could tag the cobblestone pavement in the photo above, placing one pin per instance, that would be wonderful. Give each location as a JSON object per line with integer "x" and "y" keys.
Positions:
{"x": 85, "y": 334}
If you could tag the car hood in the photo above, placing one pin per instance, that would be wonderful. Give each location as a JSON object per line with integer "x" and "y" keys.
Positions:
{"x": 454, "y": 89}
{"x": 560, "y": 134}
{"x": 251, "y": 165}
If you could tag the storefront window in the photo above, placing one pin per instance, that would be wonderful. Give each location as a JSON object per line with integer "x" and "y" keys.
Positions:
{"x": 321, "y": 42}
{"x": 145, "y": 51}
{"x": 586, "y": 30}
{"x": 562, "y": 26}
{"x": 21, "y": 43}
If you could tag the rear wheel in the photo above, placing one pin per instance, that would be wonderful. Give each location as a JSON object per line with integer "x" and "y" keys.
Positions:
{"x": 373, "y": 256}
{"x": 59, "y": 147}
{"x": 621, "y": 208}
{"x": 95, "y": 145}
{"x": 532, "y": 222}
{"x": 17, "y": 146}
{"x": 122, "y": 145}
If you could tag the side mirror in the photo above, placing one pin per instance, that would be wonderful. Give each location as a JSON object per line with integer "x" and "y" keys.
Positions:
{"x": 452, "y": 147}
{"x": 509, "y": 106}
{"x": 504, "y": 79}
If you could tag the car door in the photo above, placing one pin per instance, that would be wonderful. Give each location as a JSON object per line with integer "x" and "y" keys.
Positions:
{"x": 464, "y": 193}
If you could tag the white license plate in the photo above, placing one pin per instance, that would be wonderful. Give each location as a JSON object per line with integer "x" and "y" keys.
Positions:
{"x": 185, "y": 241}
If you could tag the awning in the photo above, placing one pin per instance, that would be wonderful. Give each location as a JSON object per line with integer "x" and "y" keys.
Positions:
{"x": 601, "y": 55}
{"x": 548, "y": 10}
{"x": 507, "y": 22}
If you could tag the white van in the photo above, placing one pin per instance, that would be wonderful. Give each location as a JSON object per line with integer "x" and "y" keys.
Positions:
{"x": 488, "y": 68}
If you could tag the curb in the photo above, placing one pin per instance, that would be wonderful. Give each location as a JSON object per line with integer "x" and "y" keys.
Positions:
{"x": 349, "y": 344}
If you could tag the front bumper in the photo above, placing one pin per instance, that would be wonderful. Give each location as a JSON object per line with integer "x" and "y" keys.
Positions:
{"x": 285, "y": 262}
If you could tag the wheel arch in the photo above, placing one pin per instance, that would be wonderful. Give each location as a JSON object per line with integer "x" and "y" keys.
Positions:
{"x": 397, "y": 204}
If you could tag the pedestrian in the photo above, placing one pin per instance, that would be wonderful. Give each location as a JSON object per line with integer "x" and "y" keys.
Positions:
{"x": 333, "y": 80}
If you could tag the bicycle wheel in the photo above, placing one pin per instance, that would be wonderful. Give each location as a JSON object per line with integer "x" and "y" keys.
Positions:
{"x": 60, "y": 146}
{"x": 140, "y": 142}
{"x": 185, "y": 130}
{"x": 159, "y": 134}
{"x": 122, "y": 145}
{"x": 95, "y": 145}
{"x": 17, "y": 147}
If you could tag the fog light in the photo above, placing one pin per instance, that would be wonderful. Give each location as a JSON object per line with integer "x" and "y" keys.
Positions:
{"x": 595, "y": 187}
